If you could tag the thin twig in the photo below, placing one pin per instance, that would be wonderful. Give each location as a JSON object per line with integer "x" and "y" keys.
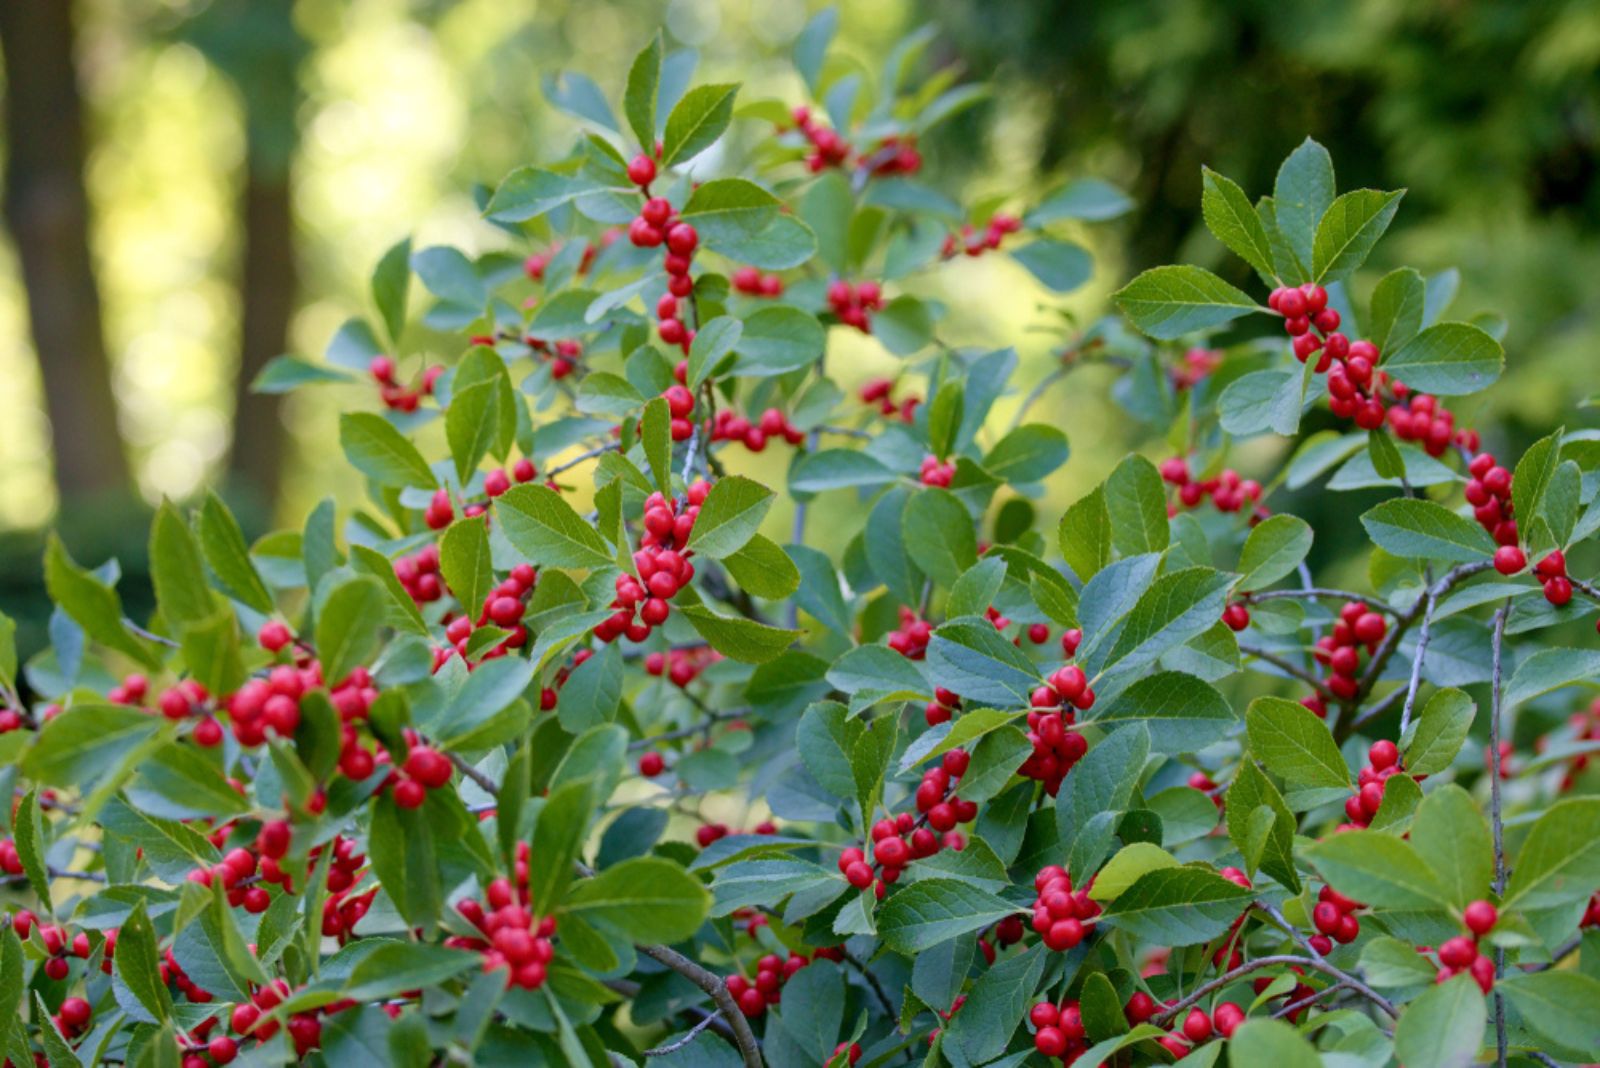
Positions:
{"x": 1315, "y": 964}
{"x": 713, "y": 985}
{"x": 872, "y": 981}
{"x": 1319, "y": 593}
{"x": 598, "y": 450}
{"x": 148, "y": 635}
{"x": 1390, "y": 699}
{"x": 694, "y": 1033}
{"x": 1495, "y": 820}
{"x": 1307, "y": 1001}
{"x": 1292, "y": 669}
{"x": 1416, "y": 662}
{"x": 1039, "y": 389}
{"x": 486, "y": 784}
{"x": 687, "y": 732}
{"x": 847, "y": 431}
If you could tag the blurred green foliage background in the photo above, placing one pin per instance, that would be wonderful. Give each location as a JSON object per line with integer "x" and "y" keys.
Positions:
{"x": 194, "y": 187}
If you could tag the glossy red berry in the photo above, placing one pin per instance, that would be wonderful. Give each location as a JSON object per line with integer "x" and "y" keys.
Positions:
{"x": 641, "y": 170}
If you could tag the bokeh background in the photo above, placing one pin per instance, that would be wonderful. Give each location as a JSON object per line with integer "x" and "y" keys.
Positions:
{"x": 193, "y": 187}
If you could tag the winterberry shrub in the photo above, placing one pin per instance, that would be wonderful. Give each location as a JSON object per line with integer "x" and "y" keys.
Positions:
{"x": 546, "y": 751}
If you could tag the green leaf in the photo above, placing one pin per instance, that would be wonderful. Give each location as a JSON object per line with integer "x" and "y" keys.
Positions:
{"x": 559, "y": 835}
{"x": 884, "y": 542}
{"x": 1397, "y": 305}
{"x": 944, "y": 417}
{"x": 1550, "y": 669}
{"x": 603, "y": 393}
{"x": 648, "y": 899}
{"x": 1294, "y": 744}
{"x": 1252, "y": 792}
{"x": 1348, "y": 230}
{"x": 85, "y": 742}
{"x": 1387, "y": 462}
{"x": 1027, "y": 454}
{"x": 1176, "y": 607}
{"x": 639, "y": 100}
{"x": 1177, "y": 906}
{"x": 777, "y": 340}
{"x": 529, "y": 192}
{"x": 1533, "y": 474}
{"x": 1435, "y": 737}
{"x": 592, "y": 692}
{"x": 992, "y": 1010}
{"x": 1557, "y": 1005}
{"x": 1097, "y": 791}
{"x": 1261, "y": 401}
{"x": 1062, "y": 266}
{"x": 1137, "y": 504}
{"x": 1088, "y": 199}
{"x": 712, "y": 343}
{"x": 402, "y": 612}
{"x": 464, "y": 561}
{"x": 192, "y": 784}
{"x": 390, "y": 280}
{"x": 543, "y": 527}
{"x": 492, "y": 687}
{"x": 176, "y": 571}
{"x": 763, "y": 569}
{"x": 1275, "y": 547}
{"x": 1127, "y": 866}
{"x": 730, "y": 516}
{"x": 1168, "y": 302}
{"x": 1232, "y": 219}
{"x": 655, "y": 435}
{"x": 228, "y": 556}
{"x": 379, "y": 451}
{"x": 1559, "y": 863}
{"x": 58, "y": 1052}
{"x": 1185, "y": 714}
{"x": 730, "y": 214}
{"x": 449, "y": 275}
{"x": 92, "y": 604}
{"x": 1449, "y": 359}
{"x": 472, "y": 423}
{"x": 973, "y": 659}
{"x": 939, "y": 535}
{"x": 1444, "y": 1027}
{"x": 138, "y": 960}
{"x": 1300, "y": 197}
{"x": 404, "y": 858}
{"x": 829, "y": 469}
{"x": 27, "y": 829}
{"x": 1452, "y": 838}
{"x": 347, "y": 626}
{"x": 904, "y": 325}
{"x": 1388, "y": 963}
{"x": 1267, "y": 1041}
{"x": 1418, "y": 529}
{"x": 1084, "y": 535}
{"x": 926, "y": 913}
{"x": 696, "y": 121}
{"x": 1377, "y": 869}
{"x": 741, "y": 639}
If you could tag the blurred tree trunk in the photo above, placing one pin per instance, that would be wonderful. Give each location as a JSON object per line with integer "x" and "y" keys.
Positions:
{"x": 258, "y": 47}
{"x": 47, "y": 211}
{"x": 269, "y": 281}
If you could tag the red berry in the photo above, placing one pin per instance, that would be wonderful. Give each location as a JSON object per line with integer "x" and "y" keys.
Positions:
{"x": 641, "y": 170}
{"x": 651, "y": 765}
{"x": 1508, "y": 560}
{"x": 1197, "y": 1025}
{"x": 1480, "y": 917}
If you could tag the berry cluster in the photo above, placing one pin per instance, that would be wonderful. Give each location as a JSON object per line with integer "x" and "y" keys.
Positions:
{"x": 57, "y": 946}
{"x": 132, "y": 690}
{"x": 1196, "y": 365}
{"x": 681, "y": 666}
{"x": 424, "y": 769}
{"x": 250, "y": 1019}
{"x": 1425, "y": 420}
{"x": 828, "y": 149}
{"x": 509, "y": 936}
{"x": 237, "y": 873}
{"x": 944, "y": 705}
{"x": 773, "y": 424}
{"x": 564, "y": 355}
{"x": 854, "y": 303}
{"x": 663, "y": 569}
{"x": 200, "y": 1051}
{"x": 707, "y": 833}
{"x": 1335, "y": 920}
{"x": 1383, "y": 763}
{"x": 877, "y": 391}
{"x": 396, "y": 396}
{"x": 172, "y": 973}
{"x": 1462, "y": 954}
{"x": 911, "y": 639}
{"x": 1054, "y": 709}
{"x": 503, "y": 608}
{"x": 656, "y": 225}
{"x": 936, "y": 472}
{"x": 72, "y": 1019}
{"x": 1062, "y": 916}
{"x": 975, "y": 244}
{"x": 752, "y": 282}
{"x": 1060, "y": 1031}
{"x": 1552, "y": 574}
{"x": 1586, "y": 728}
{"x": 680, "y": 406}
{"x": 1340, "y": 651}
{"x": 1228, "y": 492}
{"x": 772, "y": 971}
